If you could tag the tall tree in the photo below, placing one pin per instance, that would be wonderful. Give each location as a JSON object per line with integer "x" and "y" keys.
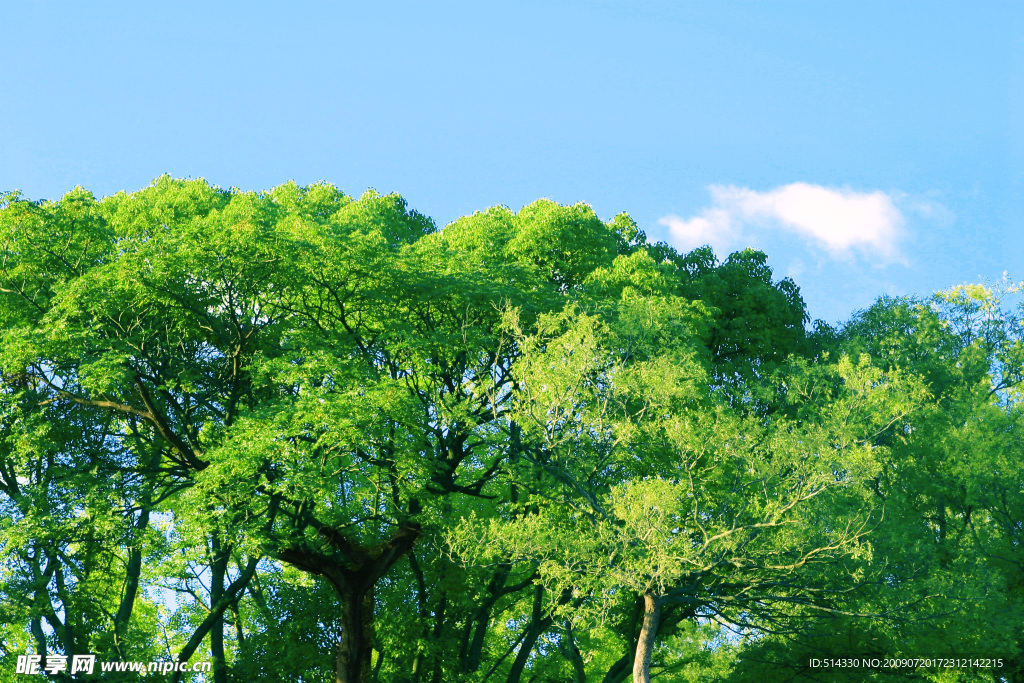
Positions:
{"x": 314, "y": 378}
{"x": 529, "y": 446}
{"x": 945, "y": 557}
{"x": 647, "y": 485}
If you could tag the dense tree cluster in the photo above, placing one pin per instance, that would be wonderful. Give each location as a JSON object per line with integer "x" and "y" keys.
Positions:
{"x": 313, "y": 438}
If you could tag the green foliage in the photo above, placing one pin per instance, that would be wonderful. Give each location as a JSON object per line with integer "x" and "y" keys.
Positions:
{"x": 311, "y": 437}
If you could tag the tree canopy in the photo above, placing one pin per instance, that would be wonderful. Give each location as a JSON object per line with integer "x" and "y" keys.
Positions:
{"x": 312, "y": 437}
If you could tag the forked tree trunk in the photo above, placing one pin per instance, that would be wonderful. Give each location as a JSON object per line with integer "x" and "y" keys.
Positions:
{"x": 645, "y": 643}
{"x": 354, "y": 573}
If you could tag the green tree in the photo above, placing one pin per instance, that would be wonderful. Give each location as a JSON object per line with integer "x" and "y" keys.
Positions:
{"x": 945, "y": 558}
{"x": 309, "y": 378}
{"x": 529, "y": 446}
{"x": 647, "y": 485}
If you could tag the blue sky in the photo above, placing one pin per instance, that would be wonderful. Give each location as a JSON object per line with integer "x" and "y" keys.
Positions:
{"x": 867, "y": 147}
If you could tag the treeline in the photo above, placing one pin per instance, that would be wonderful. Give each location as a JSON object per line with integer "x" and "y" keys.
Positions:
{"x": 313, "y": 438}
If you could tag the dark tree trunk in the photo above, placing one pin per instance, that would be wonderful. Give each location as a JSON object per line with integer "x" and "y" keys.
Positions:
{"x": 575, "y": 657}
{"x": 537, "y": 626}
{"x": 353, "y": 573}
{"x": 471, "y": 650}
{"x": 215, "y": 615}
{"x": 218, "y": 571}
{"x": 474, "y": 654}
{"x": 421, "y": 600}
{"x": 355, "y": 646}
{"x": 131, "y": 580}
{"x": 619, "y": 670}
{"x": 438, "y": 630}
{"x": 519, "y": 664}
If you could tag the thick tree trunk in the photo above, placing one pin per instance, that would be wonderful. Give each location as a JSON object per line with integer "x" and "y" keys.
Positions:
{"x": 645, "y": 644}
{"x": 355, "y": 646}
{"x": 354, "y": 573}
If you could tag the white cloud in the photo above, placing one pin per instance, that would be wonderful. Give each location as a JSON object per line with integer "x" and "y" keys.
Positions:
{"x": 713, "y": 226}
{"x": 840, "y": 221}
